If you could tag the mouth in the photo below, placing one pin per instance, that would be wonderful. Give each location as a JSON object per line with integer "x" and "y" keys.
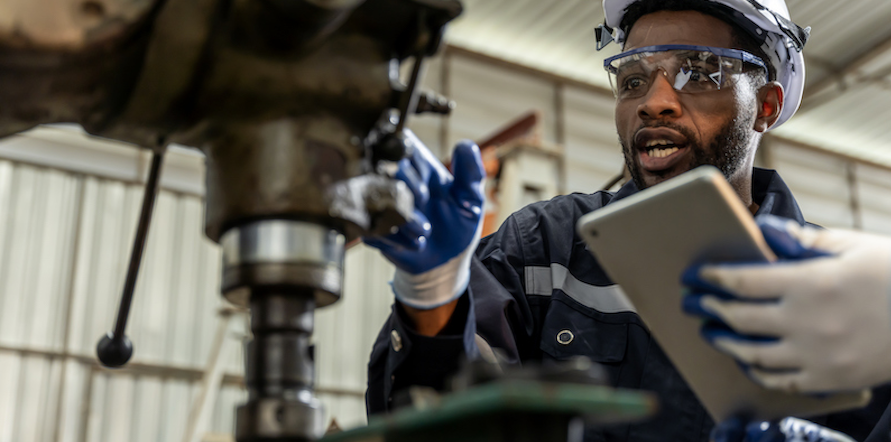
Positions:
{"x": 660, "y": 149}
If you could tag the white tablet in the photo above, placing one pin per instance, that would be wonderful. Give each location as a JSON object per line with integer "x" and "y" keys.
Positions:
{"x": 645, "y": 241}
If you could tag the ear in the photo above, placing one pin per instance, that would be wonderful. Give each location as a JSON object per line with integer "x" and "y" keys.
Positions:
{"x": 770, "y": 105}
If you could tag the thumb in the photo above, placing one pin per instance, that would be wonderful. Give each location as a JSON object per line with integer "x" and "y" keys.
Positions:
{"x": 787, "y": 238}
{"x": 467, "y": 167}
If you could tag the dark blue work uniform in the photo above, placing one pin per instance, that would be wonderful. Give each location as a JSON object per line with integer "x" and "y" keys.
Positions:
{"x": 534, "y": 279}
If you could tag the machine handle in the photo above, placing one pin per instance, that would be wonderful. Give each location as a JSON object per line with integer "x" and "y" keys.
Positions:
{"x": 115, "y": 349}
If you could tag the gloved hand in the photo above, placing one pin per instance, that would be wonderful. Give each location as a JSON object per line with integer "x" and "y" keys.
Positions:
{"x": 789, "y": 429}
{"x": 432, "y": 252}
{"x": 818, "y": 320}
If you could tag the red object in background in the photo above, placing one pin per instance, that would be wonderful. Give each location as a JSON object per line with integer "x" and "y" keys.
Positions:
{"x": 527, "y": 127}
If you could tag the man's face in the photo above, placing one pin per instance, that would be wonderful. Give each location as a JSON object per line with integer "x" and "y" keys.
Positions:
{"x": 665, "y": 133}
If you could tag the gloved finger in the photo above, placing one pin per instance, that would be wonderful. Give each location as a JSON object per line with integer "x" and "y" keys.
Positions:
{"x": 792, "y": 382}
{"x": 829, "y": 241}
{"x": 795, "y": 429}
{"x": 397, "y": 244}
{"x": 774, "y": 357}
{"x": 467, "y": 165}
{"x": 691, "y": 304}
{"x": 788, "y": 239}
{"x": 746, "y": 318}
{"x": 692, "y": 277}
{"x": 389, "y": 244}
{"x": 800, "y": 381}
{"x": 713, "y": 331}
{"x": 428, "y": 167}
{"x": 764, "y": 431}
{"x": 405, "y": 235}
{"x": 385, "y": 245}
{"x": 419, "y": 225}
{"x": 761, "y": 281}
{"x": 408, "y": 239}
{"x": 417, "y": 185}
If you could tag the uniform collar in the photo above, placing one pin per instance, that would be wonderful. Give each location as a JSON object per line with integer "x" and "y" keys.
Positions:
{"x": 773, "y": 197}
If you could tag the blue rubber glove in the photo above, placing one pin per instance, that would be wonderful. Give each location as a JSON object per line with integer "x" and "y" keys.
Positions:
{"x": 432, "y": 252}
{"x": 816, "y": 321}
{"x": 790, "y": 429}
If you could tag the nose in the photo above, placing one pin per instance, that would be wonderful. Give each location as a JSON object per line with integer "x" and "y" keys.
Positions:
{"x": 661, "y": 100}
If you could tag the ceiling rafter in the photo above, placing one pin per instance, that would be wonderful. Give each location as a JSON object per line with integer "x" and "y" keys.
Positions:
{"x": 851, "y": 76}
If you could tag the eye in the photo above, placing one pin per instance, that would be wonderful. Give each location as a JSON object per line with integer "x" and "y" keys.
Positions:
{"x": 633, "y": 83}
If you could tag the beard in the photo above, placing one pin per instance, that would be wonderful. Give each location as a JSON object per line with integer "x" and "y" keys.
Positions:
{"x": 728, "y": 151}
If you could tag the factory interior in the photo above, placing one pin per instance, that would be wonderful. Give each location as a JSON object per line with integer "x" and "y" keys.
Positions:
{"x": 521, "y": 78}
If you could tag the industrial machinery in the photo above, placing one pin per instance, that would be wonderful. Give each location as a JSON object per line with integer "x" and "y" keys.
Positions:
{"x": 299, "y": 109}
{"x": 296, "y": 104}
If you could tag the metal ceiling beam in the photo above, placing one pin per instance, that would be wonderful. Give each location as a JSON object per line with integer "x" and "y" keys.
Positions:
{"x": 833, "y": 85}
{"x": 471, "y": 54}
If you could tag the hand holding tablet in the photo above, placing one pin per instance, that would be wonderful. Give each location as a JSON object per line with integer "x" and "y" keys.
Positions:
{"x": 646, "y": 241}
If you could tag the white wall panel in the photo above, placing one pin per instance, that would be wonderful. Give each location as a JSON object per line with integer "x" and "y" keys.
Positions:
{"x": 37, "y": 219}
{"x": 346, "y": 331}
{"x": 176, "y": 398}
{"x": 97, "y": 409}
{"x": 10, "y": 371}
{"x": 177, "y": 291}
{"x": 874, "y": 195}
{"x": 107, "y": 225}
{"x": 40, "y": 382}
{"x": 489, "y": 97}
{"x": 819, "y": 183}
{"x": 593, "y": 154}
{"x": 223, "y": 420}
{"x": 348, "y": 411}
{"x": 173, "y": 318}
{"x": 72, "y": 411}
{"x": 147, "y": 411}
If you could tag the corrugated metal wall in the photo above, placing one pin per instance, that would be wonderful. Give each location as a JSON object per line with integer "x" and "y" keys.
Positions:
{"x": 834, "y": 191}
{"x": 64, "y": 243}
{"x": 65, "y": 239}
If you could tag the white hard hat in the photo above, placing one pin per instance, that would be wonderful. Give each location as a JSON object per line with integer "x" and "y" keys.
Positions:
{"x": 766, "y": 20}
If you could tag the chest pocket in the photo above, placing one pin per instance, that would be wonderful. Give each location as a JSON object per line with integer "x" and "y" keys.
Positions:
{"x": 571, "y": 329}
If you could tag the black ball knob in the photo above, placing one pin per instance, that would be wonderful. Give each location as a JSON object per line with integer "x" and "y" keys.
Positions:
{"x": 114, "y": 351}
{"x": 393, "y": 147}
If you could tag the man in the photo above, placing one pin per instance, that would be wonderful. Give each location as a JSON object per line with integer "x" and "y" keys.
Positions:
{"x": 532, "y": 289}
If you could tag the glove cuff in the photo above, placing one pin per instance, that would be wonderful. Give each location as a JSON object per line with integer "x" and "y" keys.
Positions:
{"x": 436, "y": 287}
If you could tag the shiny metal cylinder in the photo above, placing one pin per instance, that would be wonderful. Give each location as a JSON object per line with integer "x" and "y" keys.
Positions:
{"x": 277, "y": 420}
{"x": 299, "y": 255}
{"x": 279, "y": 371}
{"x": 282, "y": 269}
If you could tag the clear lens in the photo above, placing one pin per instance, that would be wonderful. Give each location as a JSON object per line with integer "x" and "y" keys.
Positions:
{"x": 689, "y": 71}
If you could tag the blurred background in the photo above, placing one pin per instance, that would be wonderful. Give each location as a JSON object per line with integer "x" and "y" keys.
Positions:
{"x": 529, "y": 87}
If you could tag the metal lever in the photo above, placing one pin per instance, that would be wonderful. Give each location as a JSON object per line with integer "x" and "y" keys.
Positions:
{"x": 115, "y": 349}
{"x": 394, "y": 147}
{"x": 410, "y": 97}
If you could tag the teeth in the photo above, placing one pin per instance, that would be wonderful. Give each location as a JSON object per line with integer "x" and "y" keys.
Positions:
{"x": 658, "y": 142}
{"x": 661, "y": 153}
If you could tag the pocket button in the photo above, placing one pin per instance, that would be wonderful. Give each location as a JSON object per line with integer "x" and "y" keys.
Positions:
{"x": 565, "y": 337}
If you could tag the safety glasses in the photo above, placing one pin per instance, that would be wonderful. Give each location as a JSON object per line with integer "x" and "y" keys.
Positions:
{"x": 689, "y": 69}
